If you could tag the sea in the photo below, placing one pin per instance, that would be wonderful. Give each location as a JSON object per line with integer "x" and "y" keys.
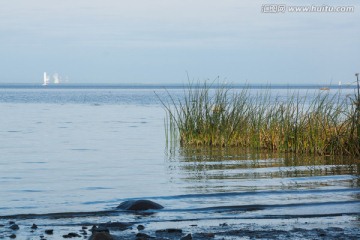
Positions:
{"x": 87, "y": 148}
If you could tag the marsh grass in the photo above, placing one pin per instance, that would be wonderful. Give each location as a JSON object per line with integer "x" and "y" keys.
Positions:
{"x": 322, "y": 124}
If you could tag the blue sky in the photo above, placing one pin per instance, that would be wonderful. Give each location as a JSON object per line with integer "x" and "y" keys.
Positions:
{"x": 158, "y": 41}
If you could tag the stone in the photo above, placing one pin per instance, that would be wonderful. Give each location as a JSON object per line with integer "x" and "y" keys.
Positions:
{"x": 187, "y": 237}
{"x": 169, "y": 230}
{"x": 139, "y": 205}
{"x": 34, "y": 226}
{"x": 49, "y": 231}
{"x": 14, "y": 227}
{"x": 140, "y": 227}
{"x": 71, "y": 235}
{"x": 95, "y": 229}
{"x": 142, "y": 236}
{"x": 12, "y": 236}
{"x": 101, "y": 236}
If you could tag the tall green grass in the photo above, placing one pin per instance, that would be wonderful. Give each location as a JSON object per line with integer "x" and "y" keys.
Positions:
{"x": 322, "y": 124}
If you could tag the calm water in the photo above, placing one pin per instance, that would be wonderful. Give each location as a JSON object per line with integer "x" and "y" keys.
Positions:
{"x": 88, "y": 149}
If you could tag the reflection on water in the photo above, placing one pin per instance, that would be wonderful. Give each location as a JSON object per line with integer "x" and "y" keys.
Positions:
{"x": 232, "y": 169}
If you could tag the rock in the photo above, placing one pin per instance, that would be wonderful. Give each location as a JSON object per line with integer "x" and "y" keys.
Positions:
{"x": 14, "y": 227}
{"x": 140, "y": 227}
{"x": 141, "y": 236}
{"x": 169, "y": 230}
{"x": 12, "y": 236}
{"x": 187, "y": 237}
{"x": 84, "y": 227}
{"x": 11, "y": 222}
{"x": 49, "y": 231}
{"x": 34, "y": 226}
{"x": 101, "y": 236}
{"x": 139, "y": 205}
{"x": 95, "y": 229}
{"x": 71, "y": 235}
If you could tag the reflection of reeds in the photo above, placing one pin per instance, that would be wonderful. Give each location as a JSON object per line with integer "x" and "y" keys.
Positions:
{"x": 322, "y": 124}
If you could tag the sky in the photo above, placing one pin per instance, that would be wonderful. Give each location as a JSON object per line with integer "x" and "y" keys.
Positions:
{"x": 161, "y": 41}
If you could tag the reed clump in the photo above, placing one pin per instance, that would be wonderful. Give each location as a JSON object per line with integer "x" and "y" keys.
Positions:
{"x": 321, "y": 124}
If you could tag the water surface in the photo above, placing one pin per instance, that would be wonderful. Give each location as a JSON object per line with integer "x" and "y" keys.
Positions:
{"x": 88, "y": 149}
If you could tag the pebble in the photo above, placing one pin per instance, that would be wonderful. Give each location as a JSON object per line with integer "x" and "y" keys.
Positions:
{"x": 142, "y": 236}
{"x": 187, "y": 237}
{"x": 71, "y": 235}
{"x": 169, "y": 230}
{"x": 14, "y": 226}
{"x": 12, "y": 236}
{"x": 101, "y": 236}
{"x": 140, "y": 227}
{"x": 95, "y": 229}
{"x": 49, "y": 231}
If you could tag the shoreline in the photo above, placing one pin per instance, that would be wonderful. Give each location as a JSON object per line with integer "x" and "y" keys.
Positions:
{"x": 337, "y": 227}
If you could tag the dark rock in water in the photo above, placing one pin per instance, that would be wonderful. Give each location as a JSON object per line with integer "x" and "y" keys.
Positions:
{"x": 11, "y": 222}
{"x": 84, "y": 227}
{"x": 139, "y": 205}
{"x": 95, "y": 229}
{"x": 1, "y": 225}
{"x": 169, "y": 230}
{"x": 101, "y": 236}
{"x": 14, "y": 227}
{"x": 49, "y": 231}
{"x": 12, "y": 236}
{"x": 187, "y": 237}
{"x": 142, "y": 236}
{"x": 34, "y": 226}
{"x": 71, "y": 235}
{"x": 140, "y": 227}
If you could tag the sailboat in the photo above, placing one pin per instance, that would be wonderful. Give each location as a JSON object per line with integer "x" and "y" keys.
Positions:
{"x": 46, "y": 79}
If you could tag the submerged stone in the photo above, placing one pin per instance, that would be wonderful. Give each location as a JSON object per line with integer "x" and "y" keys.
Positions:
{"x": 139, "y": 205}
{"x": 14, "y": 227}
{"x": 101, "y": 236}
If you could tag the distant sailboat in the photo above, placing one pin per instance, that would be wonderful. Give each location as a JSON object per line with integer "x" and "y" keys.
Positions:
{"x": 55, "y": 79}
{"x": 46, "y": 79}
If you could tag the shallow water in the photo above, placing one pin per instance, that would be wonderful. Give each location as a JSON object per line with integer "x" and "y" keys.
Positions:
{"x": 87, "y": 150}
